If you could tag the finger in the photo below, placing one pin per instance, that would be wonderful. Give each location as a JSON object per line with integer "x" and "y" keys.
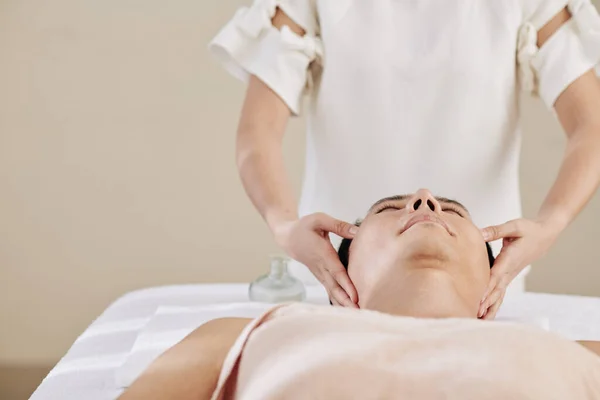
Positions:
{"x": 491, "y": 300}
{"x": 491, "y": 286}
{"x": 340, "y": 228}
{"x": 496, "y": 232}
{"x": 497, "y": 277}
{"x": 336, "y": 292}
{"x": 319, "y": 275}
{"x": 333, "y": 300}
{"x": 333, "y": 266}
{"x": 339, "y": 293}
{"x": 341, "y": 277}
{"x": 493, "y": 310}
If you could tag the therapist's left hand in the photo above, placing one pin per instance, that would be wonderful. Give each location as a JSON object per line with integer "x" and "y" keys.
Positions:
{"x": 523, "y": 241}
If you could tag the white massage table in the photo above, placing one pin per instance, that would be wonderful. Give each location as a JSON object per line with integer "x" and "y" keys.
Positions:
{"x": 88, "y": 370}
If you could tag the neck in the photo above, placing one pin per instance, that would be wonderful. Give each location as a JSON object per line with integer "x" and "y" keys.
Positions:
{"x": 419, "y": 292}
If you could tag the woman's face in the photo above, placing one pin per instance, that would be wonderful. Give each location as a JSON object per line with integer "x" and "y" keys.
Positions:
{"x": 419, "y": 231}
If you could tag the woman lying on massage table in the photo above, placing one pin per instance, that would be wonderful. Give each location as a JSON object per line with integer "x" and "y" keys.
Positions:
{"x": 420, "y": 267}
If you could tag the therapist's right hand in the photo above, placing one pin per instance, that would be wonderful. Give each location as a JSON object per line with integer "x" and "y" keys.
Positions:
{"x": 306, "y": 240}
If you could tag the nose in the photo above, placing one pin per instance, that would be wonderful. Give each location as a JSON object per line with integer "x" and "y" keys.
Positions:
{"x": 423, "y": 198}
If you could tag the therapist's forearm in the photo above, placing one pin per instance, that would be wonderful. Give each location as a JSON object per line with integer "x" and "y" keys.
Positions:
{"x": 259, "y": 155}
{"x": 577, "y": 180}
{"x": 263, "y": 175}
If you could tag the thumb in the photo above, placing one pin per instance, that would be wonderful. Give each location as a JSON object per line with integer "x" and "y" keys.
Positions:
{"x": 497, "y": 232}
{"x": 340, "y": 228}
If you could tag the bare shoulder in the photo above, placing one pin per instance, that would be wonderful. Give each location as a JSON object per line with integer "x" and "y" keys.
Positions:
{"x": 594, "y": 347}
{"x": 190, "y": 369}
{"x": 217, "y": 335}
{"x": 227, "y": 324}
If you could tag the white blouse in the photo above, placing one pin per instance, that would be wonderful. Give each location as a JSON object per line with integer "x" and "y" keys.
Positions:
{"x": 409, "y": 94}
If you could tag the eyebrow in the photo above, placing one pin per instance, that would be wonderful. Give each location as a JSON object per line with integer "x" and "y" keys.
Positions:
{"x": 403, "y": 197}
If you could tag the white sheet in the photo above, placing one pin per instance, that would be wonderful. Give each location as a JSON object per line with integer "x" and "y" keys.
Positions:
{"x": 88, "y": 370}
{"x": 169, "y": 325}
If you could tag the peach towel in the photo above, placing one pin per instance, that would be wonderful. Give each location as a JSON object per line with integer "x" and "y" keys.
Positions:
{"x": 302, "y": 351}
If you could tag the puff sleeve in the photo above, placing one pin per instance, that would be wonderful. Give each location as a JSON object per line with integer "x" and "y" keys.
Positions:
{"x": 250, "y": 45}
{"x": 570, "y": 52}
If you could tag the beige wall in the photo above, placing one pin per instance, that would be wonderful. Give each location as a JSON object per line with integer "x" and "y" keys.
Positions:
{"x": 117, "y": 168}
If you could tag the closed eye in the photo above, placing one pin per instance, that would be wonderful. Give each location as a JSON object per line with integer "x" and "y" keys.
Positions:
{"x": 454, "y": 211}
{"x": 387, "y": 208}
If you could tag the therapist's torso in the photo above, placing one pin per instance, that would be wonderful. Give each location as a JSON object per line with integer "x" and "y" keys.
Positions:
{"x": 409, "y": 94}
{"x": 415, "y": 94}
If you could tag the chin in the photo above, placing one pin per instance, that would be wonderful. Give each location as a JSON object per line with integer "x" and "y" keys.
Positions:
{"x": 434, "y": 253}
{"x": 430, "y": 249}
{"x": 424, "y": 263}
{"x": 430, "y": 257}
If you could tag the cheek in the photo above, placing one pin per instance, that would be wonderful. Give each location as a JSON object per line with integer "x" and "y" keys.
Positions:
{"x": 367, "y": 247}
{"x": 471, "y": 243}
{"x": 470, "y": 234}
{"x": 367, "y": 241}
{"x": 359, "y": 275}
{"x": 476, "y": 251}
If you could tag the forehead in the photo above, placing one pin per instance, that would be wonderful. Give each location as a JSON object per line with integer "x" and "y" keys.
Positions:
{"x": 403, "y": 198}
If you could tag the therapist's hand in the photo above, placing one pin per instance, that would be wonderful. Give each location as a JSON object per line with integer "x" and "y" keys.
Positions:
{"x": 306, "y": 240}
{"x": 523, "y": 241}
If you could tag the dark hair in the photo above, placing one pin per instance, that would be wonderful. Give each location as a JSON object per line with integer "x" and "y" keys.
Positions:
{"x": 344, "y": 253}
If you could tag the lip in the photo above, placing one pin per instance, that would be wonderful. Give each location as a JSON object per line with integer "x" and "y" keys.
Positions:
{"x": 425, "y": 218}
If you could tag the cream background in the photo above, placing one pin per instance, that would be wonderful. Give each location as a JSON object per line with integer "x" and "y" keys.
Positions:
{"x": 117, "y": 169}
